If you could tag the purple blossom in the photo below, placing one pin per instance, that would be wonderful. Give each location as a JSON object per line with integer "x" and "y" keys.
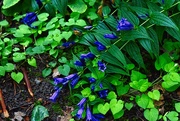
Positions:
{"x": 100, "y": 46}
{"x": 80, "y": 63}
{"x": 60, "y": 81}
{"x": 87, "y": 56}
{"x": 88, "y": 27}
{"x": 103, "y": 93}
{"x": 39, "y": 3}
{"x": 79, "y": 113}
{"x": 110, "y": 36}
{"x": 71, "y": 76}
{"x": 81, "y": 103}
{"x": 68, "y": 44}
{"x": 88, "y": 114}
{"x": 124, "y": 24}
{"x": 29, "y": 18}
{"x": 91, "y": 79}
{"x": 55, "y": 95}
{"x": 102, "y": 66}
{"x": 74, "y": 81}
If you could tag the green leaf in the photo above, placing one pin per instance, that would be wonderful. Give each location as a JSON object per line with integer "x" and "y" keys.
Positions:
{"x": 116, "y": 106}
{"x": 46, "y": 72}
{"x": 134, "y": 52}
{"x": 116, "y": 52}
{"x": 122, "y": 89}
{"x": 80, "y": 22}
{"x": 136, "y": 75}
{"x": 111, "y": 95}
{"x": 17, "y": 56}
{"x": 4, "y": 23}
{"x": 118, "y": 115}
{"x": 62, "y": 60}
{"x": 128, "y": 105}
{"x": 60, "y": 5}
{"x": 86, "y": 92}
{"x": 130, "y": 16}
{"x": 78, "y": 6}
{"x": 90, "y": 2}
{"x": 106, "y": 10}
{"x": 9, "y": 3}
{"x": 174, "y": 33}
{"x": 32, "y": 61}
{"x": 17, "y": 76}
{"x": 39, "y": 113}
{"x": 162, "y": 20}
{"x": 146, "y": 43}
{"x": 142, "y": 85}
{"x": 43, "y": 17}
{"x": 151, "y": 114}
{"x": 177, "y": 107}
{"x": 64, "y": 70}
{"x": 103, "y": 108}
{"x": 173, "y": 116}
{"x": 154, "y": 95}
{"x": 2, "y": 71}
{"x": 66, "y": 35}
{"x": 162, "y": 61}
{"x": 143, "y": 101}
{"x": 9, "y": 67}
{"x": 96, "y": 73}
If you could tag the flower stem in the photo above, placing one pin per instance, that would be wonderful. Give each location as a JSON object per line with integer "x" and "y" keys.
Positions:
{"x": 5, "y": 112}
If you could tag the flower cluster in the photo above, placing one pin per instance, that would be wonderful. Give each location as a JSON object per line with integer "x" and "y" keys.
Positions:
{"x": 29, "y": 19}
{"x": 72, "y": 78}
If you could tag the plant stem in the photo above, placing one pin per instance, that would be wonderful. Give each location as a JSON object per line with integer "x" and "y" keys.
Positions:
{"x": 27, "y": 81}
{"x": 5, "y": 112}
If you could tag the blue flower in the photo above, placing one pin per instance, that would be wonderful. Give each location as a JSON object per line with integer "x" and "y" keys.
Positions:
{"x": 101, "y": 85}
{"x": 91, "y": 79}
{"x": 74, "y": 81}
{"x": 87, "y": 56}
{"x": 79, "y": 113}
{"x": 162, "y": 1}
{"x": 68, "y": 44}
{"x": 88, "y": 27}
{"x": 91, "y": 117}
{"x": 55, "y": 95}
{"x": 124, "y": 24}
{"x": 39, "y": 3}
{"x": 81, "y": 103}
{"x": 60, "y": 81}
{"x": 100, "y": 46}
{"x": 71, "y": 76}
{"x": 92, "y": 87}
{"x": 80, "y": 63}
{"x": 110, "y": 36}
{"x": 103, "y": 93}
{"x": 102, "y": 66}
{"x": 29, "y": 18}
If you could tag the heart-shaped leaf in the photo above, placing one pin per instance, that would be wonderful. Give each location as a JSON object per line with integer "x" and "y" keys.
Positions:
{"x": 172, "y": 116}
{"x": 128, "y": 105}
{"x": 62, "y": 60}
{"x": 2, "y": 71}
{"x": 64, "y": 70}
{"x": 152, "y": 114}
{"x": 111, "y": 95}
{"x": 39, "y": 113}
{"x": 66, "y": 35}
{"x": 17, "y": 76}
{"x": 177, "y": 107}
{"x": 32, "y": 61}
{"x": 116, "y": 106}
{"x": 142, "y": 101}
{"x": 103, "y": 108}
{"x": 154, "y": 95}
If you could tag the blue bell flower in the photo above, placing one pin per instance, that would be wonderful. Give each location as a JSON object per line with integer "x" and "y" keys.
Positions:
{"x": 87, "y": 56}
{"x": 82, "y": 102}
{"x": 110, "y": 36}
{"x": 100, "y": 46}
{"x": 55, "y": 95}
{"x": 80, "y": 112}
{"x": 103, "y": 93}
{"x": 102, "y": 66}
{"x": 29, "y": 19}
{"x": 91, "y": 79}
{"x": 124, "y": 24}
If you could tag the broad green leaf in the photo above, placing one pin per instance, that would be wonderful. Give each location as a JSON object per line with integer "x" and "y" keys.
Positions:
{"x": 134, "y": 52}
{"x": 64, "y": 70}
{"x": 129, "y": 16}
{"x": 111, "y": 95}
{"x": 136, "y": 75}
{"x": 162, "y": 61}
{"x": 172, "y": 116}
{"x": 112, "y": 22}
{"x": 103, "y": 108}
{"x": 9, "y": 3}
{"x": 116, "y": 52}
{"x": 141, "y": 12}
{"x": 177, "y": 107}
{"x": 142, "y": 101}
{"x": 115, "y": 69}
{"x": 4, "y": 23}
{"x": 50, "y": 9}
{"x": 39, "y": 49}
{"x": 39, "y": 113}
{"x": 155, "y": 94}
{"x": 9, "y": 67}
{"x": 32, "y": 61}
{"x": 78, "y": 6}
{"x": 116, "y": 106}
{"x": 106, "y": 10}
{"x": 128, "y": 105}
{"x": 151, "y": 114}
{"x": 2, "y": 71}
{"x": 86, "y": 92}
{"x": 43, "y": 17}
{"x": 60, "y": 5}
{"x": 96, "y": 73}
{"x": 46, "y": 72}
{"x": 90, "y": 2}
{"x": 66, "y": 35}
{"x": 80, "y": 22}
{"x": 174, "y": 33}
{"x": 162, "y": 20}
{"x": 17, "y": 76}
{"x": 142, "y": 85}
{"x": 122, "y": 89}
{"x": 17, "y": 56}
{"x": 146, "y": 43}
{"x": 118, "y": 115}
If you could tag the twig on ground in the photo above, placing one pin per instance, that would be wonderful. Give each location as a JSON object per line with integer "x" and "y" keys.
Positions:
{"x": 27, "y": 81}
{"x": 5, "y": 112}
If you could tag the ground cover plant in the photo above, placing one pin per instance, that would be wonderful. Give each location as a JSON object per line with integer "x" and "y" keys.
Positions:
{"x": 118, "y": 59}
